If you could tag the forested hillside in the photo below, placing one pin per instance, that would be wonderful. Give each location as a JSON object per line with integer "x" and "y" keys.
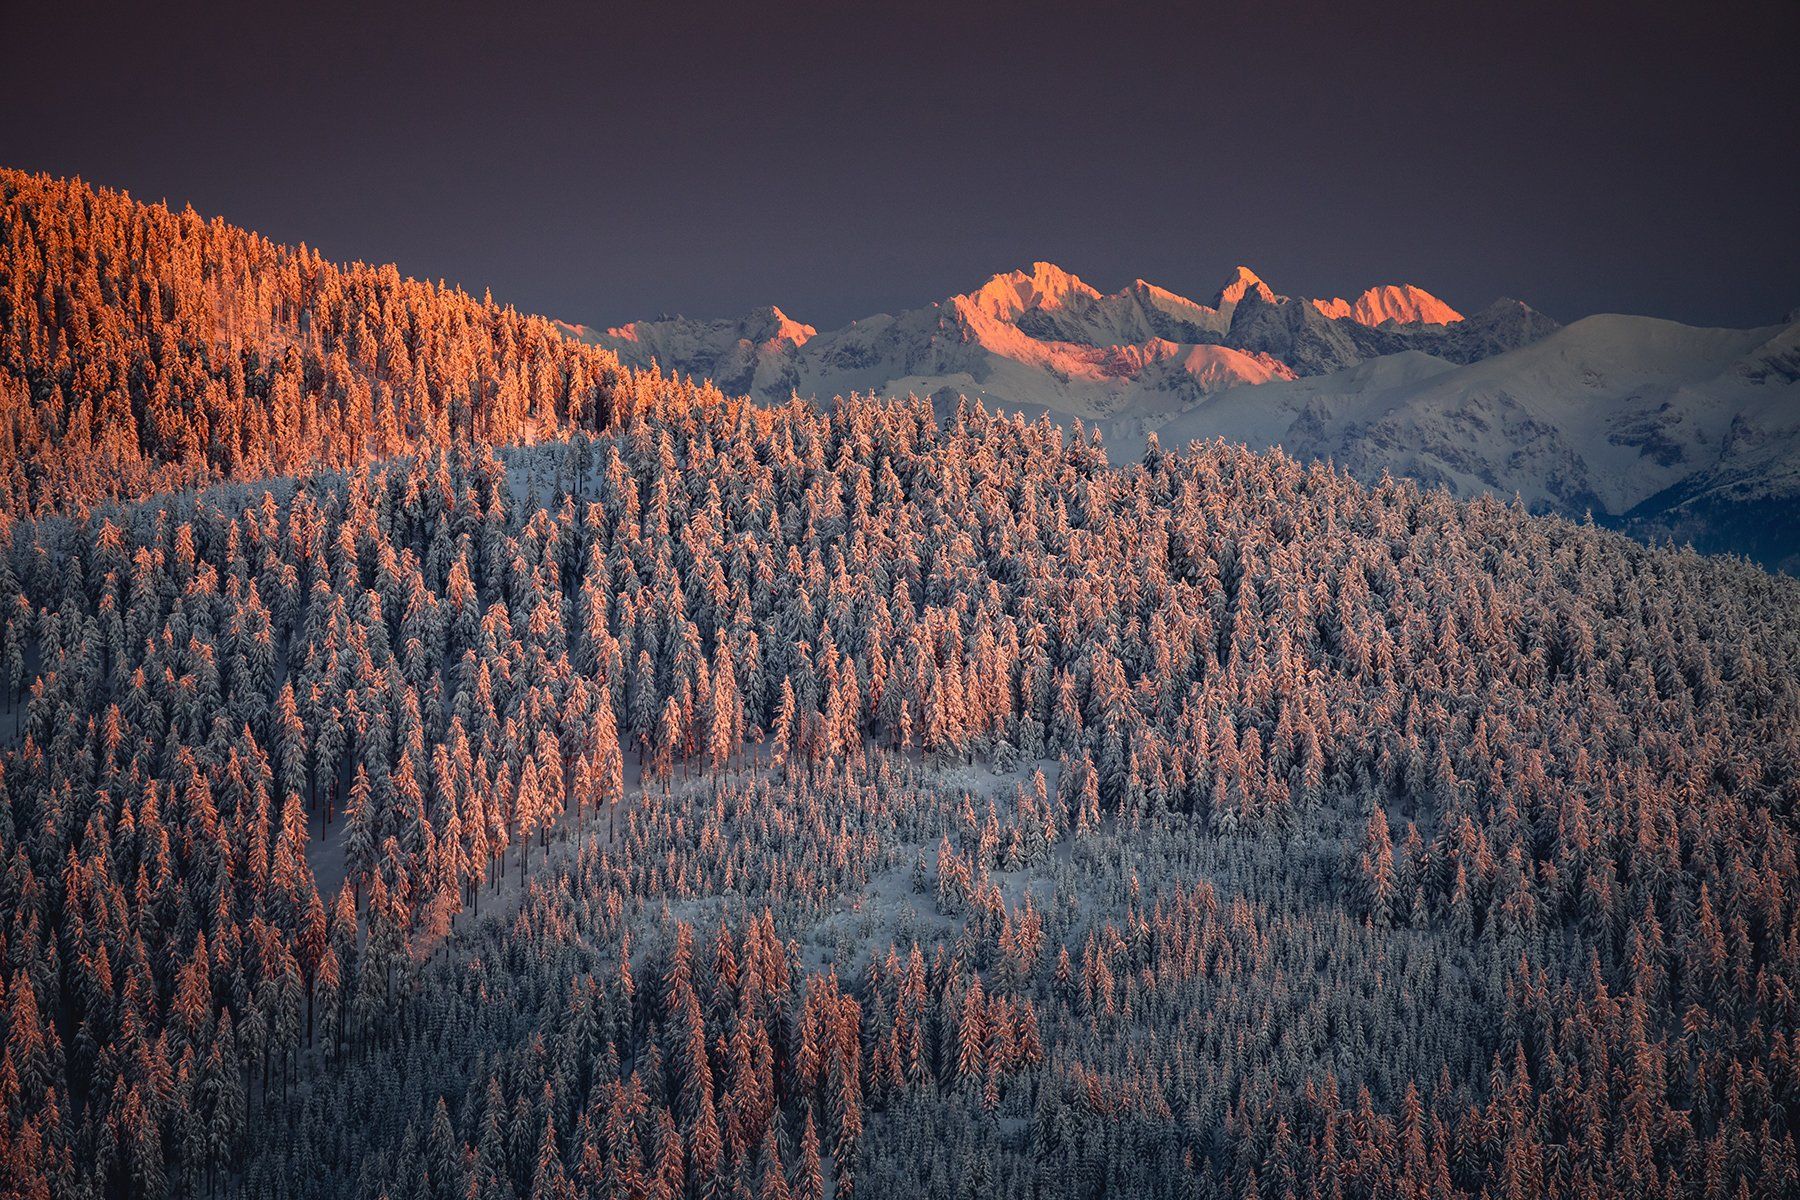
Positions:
{"x": 730, "y": 801}
{"x": 1392, "y": 842}
{"x": 144, "y": 350}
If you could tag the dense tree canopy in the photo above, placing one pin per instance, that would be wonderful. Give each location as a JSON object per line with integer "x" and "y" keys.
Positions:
{"x": 144, "y": 350}
{"x": 735, "y": 801}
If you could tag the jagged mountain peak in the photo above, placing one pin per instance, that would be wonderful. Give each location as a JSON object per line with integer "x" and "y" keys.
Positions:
{"x": 785, "y": 328}
{"x": 1041, "y": 335}
{"x": 1042, "y": 285}
{"x": 1401, "y": 303}
{"x": 1240, "y": 283}
{"x": 1144, "y": 287}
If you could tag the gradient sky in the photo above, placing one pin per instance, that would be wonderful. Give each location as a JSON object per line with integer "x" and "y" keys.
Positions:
{"x": 600, "y": 163}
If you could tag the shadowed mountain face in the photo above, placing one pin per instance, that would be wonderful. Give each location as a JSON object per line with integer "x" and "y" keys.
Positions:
{"x": 1656, "y": 427}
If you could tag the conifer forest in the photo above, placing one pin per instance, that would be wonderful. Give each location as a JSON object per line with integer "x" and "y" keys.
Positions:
{"x": 438, "y": 762}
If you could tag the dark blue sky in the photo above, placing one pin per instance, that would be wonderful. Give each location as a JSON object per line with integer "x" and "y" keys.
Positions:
{"x": 600, "y": 162}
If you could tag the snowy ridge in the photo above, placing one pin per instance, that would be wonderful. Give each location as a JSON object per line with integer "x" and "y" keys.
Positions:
{"x": 1403, "y": 304}
{"x": 1041, "y": 338}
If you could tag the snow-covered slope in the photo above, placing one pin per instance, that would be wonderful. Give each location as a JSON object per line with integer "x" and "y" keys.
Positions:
{"x": 1638, "y": 419}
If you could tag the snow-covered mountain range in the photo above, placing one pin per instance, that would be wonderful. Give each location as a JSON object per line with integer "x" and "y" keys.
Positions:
{"x": 1648, "y": 424}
